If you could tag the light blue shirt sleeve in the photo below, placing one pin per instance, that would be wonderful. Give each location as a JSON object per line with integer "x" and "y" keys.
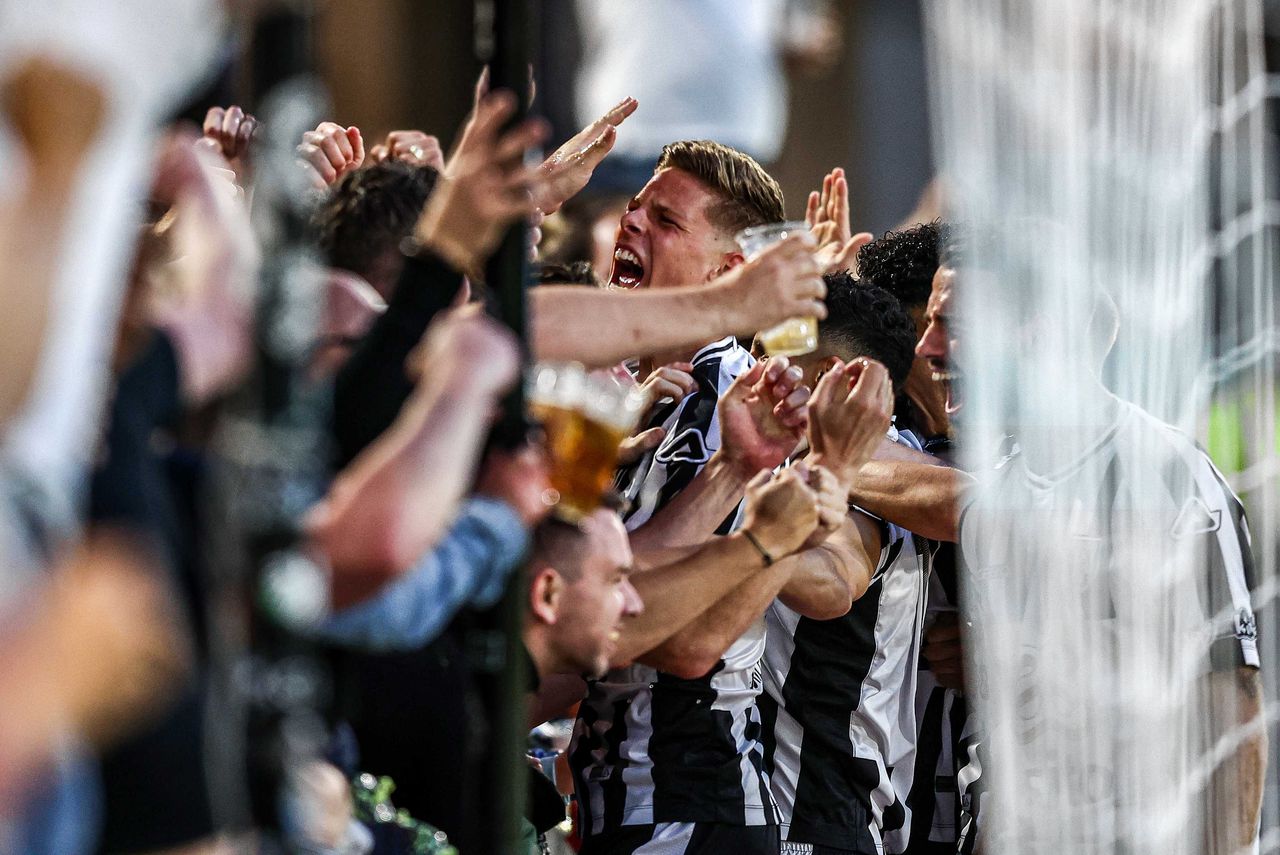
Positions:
{"x": 469, "y": 567}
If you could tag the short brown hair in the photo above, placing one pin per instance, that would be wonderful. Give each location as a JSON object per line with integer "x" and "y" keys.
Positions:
{"x": 749, "y": 195}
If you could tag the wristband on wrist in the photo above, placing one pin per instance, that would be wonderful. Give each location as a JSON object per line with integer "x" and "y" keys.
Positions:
{"x": 764, "y": 553}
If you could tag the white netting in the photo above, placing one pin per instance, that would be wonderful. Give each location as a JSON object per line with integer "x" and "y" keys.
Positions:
{"x": 1110, "y": 165}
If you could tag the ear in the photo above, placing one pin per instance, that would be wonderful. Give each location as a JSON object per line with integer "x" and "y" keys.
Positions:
{"x": 544, "y": 595}
{"x": 728, "y": 261}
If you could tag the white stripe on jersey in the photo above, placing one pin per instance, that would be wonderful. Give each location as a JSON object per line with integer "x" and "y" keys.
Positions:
{"x": 842, "y": 711}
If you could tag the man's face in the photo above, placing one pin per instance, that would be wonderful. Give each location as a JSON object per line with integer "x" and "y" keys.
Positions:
{"x": 596, "y": 603}
{"x": 937, "y": 345}
{"x": 665, "y": 238}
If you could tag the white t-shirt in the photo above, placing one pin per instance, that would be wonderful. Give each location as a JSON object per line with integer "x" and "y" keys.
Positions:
{"x": 701, "y": 69}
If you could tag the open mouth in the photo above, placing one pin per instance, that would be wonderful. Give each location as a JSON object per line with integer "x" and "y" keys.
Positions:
{"x": 950, "y": 382}
{"x": 627, "y": 269}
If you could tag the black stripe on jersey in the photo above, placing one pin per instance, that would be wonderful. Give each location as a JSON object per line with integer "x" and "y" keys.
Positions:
{"x": 697, "y": 771}
{"x": 1241, "y": 525}
{"x": 890, "y": 555}
{"x": 614, "y": 790}
{"x": 922, "y": 798}
{"x": 1213, "y": 586}
{"x": 694, "y": 422}
{"x": 833, "y": 802}
{"x": 581, "y": 758}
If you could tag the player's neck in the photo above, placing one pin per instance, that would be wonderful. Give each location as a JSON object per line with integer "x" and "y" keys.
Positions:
{"x": 1053, "y": 445}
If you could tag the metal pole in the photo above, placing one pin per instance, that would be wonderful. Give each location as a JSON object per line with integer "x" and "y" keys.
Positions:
{"x": 503, "y": 40}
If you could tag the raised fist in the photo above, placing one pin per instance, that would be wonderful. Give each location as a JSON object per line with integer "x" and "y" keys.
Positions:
{"x": 781, "y": 511}
{"x": 330, "y": 152}
{"x": 849, "y": 415}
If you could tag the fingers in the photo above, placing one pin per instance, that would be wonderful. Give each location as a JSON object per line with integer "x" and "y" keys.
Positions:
{"x": 482, "y": 86}
{"x": 356, "y": 141}
{"x": 649, "y": 439}
{"x": 811, "y": 209}
{"x": 213, "y": 121}
{"x": 491, "y": 113}
{"x": 231, "y": 120}
{"x": 831, "y": 385}
{"x": 670, "y": 382}
{"x": 838, "y": 204}
{"x": 793, "y": 411}
{"x": 625, "y": 108}
{"x": 633, "y": 448}
{"x": 528, "y": 134}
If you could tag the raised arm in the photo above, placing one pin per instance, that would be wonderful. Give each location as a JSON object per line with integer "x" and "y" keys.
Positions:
{"x": 914, "y": 491}
{"x": 397, "y": 497}
{"x": 783, "y": 282}
{"x": 762, "y": 417}
{"x": 781, "y": 514}
{"x": 696, "y": 648}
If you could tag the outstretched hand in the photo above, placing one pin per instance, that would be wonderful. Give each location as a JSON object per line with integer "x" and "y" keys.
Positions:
{"x": 485, "y": 185}
{"x": 569, "y": 167}
{"x": 827, "y": 214}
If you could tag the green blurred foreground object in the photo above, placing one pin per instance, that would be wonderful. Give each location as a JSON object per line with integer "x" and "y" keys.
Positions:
{"x": 373, "y": 806}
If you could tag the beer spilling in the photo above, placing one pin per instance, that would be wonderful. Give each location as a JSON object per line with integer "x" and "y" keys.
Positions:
{"x": 586, "y": 417}
{"x": 794, "y": 336}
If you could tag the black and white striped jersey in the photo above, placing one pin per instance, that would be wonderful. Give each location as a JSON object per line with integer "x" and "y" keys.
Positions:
{"x": 939, "y": 805}
{"x": 839, "y": 707}
{"x": 649, "y": 747}
{"x": 692, "y": 434}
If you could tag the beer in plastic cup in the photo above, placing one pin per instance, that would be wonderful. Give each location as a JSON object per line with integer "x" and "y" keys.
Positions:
{"x": 794, "y": 336}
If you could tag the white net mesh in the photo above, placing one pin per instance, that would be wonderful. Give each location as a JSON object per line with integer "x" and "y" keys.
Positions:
{"x": 1110, "y": 168}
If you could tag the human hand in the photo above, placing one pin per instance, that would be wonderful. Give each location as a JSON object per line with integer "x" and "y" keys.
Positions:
{"x": 466, "y": 348}
{"x": 827, "y": 214}
{"x": 848, "y": 416}
{"x": 485, "y": 186}
{"x": 673, "y": 382}
{"x": 521, "y": 478}
{"x": 330, "y": 152}
{"x": 833, "y": 502}
{"x": 569, "y": 167}
{"x": 763, "y": 415}
{"x": 633, "y": 448}
{"x": 781, "y": 510}
{"x": 229, "y": 132}
{"x": 944, "y": 651}
{"x": 415, "y": 147}
{"x": 202, "y": 292}
{"x": 781, "y": 282}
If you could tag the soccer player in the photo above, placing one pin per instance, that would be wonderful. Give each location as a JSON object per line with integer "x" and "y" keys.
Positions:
{"x": 1102, "y": 480}
{"x": 838, "y": 707}
{"x": 904, "y": 263}
{"x": 667, "y": 754}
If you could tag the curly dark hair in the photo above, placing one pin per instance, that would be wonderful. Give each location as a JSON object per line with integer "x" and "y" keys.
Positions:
{"x": 864, "y": 320}
{"x": 903, "y": 262}
{"x": 361, "y": 222}
{"x": 575, "y": 273}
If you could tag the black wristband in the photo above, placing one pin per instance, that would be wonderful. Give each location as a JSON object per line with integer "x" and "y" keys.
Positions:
{"x": 764, "y": 553}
